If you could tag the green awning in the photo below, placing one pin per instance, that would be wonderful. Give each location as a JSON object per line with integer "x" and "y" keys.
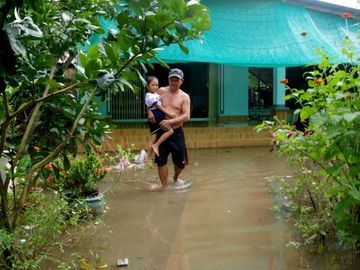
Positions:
{"x": 266, "y": 34}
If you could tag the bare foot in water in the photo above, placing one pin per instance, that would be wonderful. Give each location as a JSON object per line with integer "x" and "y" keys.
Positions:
{"x": 156, "y": 187}
{"x": 155, "y": 149}
{"x": 179, "y": 182}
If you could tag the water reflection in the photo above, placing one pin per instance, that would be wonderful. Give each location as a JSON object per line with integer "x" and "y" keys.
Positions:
{"x": 224, "y": 221}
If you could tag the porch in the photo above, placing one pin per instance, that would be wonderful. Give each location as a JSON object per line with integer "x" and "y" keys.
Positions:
{"x": 197, "y": 136}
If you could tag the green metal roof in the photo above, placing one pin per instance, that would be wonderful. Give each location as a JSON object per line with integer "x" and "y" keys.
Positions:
{"x": 265, "y": 34}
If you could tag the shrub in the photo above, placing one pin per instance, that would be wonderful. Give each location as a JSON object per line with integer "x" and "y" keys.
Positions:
{"x": 79, "y": 175}
{"x": 325, "y": 196}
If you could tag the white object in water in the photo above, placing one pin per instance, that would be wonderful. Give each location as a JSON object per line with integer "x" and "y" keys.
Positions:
{"x": 141, "y": 157}
{"x": 179, "y": 185}
{"x": 122, "y": 165}
{"x": 5, "y": 164}
{"x": 122, "y": 262}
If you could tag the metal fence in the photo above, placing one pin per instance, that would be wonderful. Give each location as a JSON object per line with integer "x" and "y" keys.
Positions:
{"x": 127, "y": 106}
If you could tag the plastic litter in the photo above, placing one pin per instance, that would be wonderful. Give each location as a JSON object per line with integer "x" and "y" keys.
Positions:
{"x": 122, "y": 262}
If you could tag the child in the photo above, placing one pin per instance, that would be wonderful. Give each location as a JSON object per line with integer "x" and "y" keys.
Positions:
{"x": 153, "y": 102}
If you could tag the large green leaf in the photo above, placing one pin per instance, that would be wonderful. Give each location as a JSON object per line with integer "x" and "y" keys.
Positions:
{"x": 23, "y": 166}
{"x": 111, "y": 54}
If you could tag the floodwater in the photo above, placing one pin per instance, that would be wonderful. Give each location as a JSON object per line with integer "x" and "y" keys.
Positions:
{"x": 224, "y": 221}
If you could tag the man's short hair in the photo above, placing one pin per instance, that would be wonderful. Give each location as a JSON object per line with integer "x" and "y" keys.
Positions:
{"x": 175, "y": 72}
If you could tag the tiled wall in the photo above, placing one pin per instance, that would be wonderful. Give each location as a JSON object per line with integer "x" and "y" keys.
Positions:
{"x": 196, "y": 137}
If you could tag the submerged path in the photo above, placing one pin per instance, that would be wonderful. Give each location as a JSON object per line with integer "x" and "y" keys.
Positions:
{"x": 225, "y": 221}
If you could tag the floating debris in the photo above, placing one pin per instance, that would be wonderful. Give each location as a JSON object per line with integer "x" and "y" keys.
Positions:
{"x": 122, "y": 262}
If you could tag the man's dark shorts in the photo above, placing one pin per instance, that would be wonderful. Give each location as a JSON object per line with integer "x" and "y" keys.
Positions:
{"x": 175, "y": 145}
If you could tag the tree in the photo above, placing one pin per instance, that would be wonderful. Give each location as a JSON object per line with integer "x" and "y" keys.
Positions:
{"x": 48, "y": 81}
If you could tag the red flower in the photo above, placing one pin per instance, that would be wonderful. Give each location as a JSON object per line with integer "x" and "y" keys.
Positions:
{"x": 50, "y": 179}
{"x": 308, "y": 132}
{"x": 48, "y": 166}
{"x": 71, "y": 181}
{"x": 346, "y": 15}
{"x": 291, "y": 134}
{"x": 284, "y": 81}
{"x": 319, "y": 81}
{"x": 272, "y": 135}
{"x": 104, "y": 170}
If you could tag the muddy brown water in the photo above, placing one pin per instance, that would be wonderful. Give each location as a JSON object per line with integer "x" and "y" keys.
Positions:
{"x": 224, "y": 221}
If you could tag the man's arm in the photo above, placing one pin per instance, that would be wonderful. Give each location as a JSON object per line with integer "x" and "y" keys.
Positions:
{"x": 161, "y": 90}
{"x": 182, "y": 118}
{"x": 165, "y": 111}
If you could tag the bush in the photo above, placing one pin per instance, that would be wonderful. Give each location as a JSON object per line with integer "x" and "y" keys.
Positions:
{"x": 79, "y": 175}
{"x": 325, "y": 196}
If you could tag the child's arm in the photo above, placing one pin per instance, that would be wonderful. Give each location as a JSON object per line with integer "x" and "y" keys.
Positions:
{"x": 151, "y": 117}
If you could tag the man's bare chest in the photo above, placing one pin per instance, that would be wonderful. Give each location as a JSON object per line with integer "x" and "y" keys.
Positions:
{"x": 171, "y": 101}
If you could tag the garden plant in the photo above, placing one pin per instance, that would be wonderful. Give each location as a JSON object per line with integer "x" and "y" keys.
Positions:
{"x": 322, "y": 201}
{"x": 50, "y": 86}
{"x": 82, "y": 176}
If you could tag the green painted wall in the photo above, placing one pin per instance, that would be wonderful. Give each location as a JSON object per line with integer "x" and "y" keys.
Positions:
{"x": 213, "y": 82}
{"x": 234, "y": 93}
{"x": 279, "y": 88}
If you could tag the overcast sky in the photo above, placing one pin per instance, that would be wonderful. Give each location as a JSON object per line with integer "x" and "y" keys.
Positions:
{"x": 348, "y": 3}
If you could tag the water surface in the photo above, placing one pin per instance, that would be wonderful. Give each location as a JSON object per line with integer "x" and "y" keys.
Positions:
{"x": 224, "y": 221}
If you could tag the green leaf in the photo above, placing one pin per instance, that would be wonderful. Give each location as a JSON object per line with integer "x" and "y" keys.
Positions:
{"x": 141, "y": 78}
{"x": 341, "y": 212}
{"x": 125, "y": 82}
{"x": 177, "y": 6}
{"x": 355, "y": 194}
{"x": 306, "y": 112}
{"x": 55, "y": 130}
{"x": 314, "y": 155}
{"x": 334, "y": 170}
{"x": 124, "y": 39}
{"x": 138, "y": 5}
{"x": 162, "y": 63}
{"x": 181, "y": 28}
{"x": 183, "y": 48}
{"x": 111, "y": 54}
{"x": 122, "y": 18}
{"x": 66, "y": 163}
{"x": 23, "y": 166}
{"x": 349, "y": 117}
{"x": 82, "y": 58}
{"x": 56, "y": 172}
{"x": 93, "y": 51}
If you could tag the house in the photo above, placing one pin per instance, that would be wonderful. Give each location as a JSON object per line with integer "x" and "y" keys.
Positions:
{"x": 233, "y": 73}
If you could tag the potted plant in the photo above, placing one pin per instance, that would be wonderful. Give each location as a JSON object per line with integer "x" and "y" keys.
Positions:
{"x": 77, "y": 180}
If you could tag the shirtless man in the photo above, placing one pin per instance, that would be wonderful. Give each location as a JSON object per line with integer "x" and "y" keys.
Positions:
{"x": 177, "y": 102}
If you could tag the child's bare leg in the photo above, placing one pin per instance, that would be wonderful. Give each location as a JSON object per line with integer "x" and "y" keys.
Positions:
{"x": 150, "y": 149}
{"x": 163, "y": 137}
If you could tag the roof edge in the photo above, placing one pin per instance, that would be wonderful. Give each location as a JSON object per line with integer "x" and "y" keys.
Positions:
{"x": 325, "y": 7}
